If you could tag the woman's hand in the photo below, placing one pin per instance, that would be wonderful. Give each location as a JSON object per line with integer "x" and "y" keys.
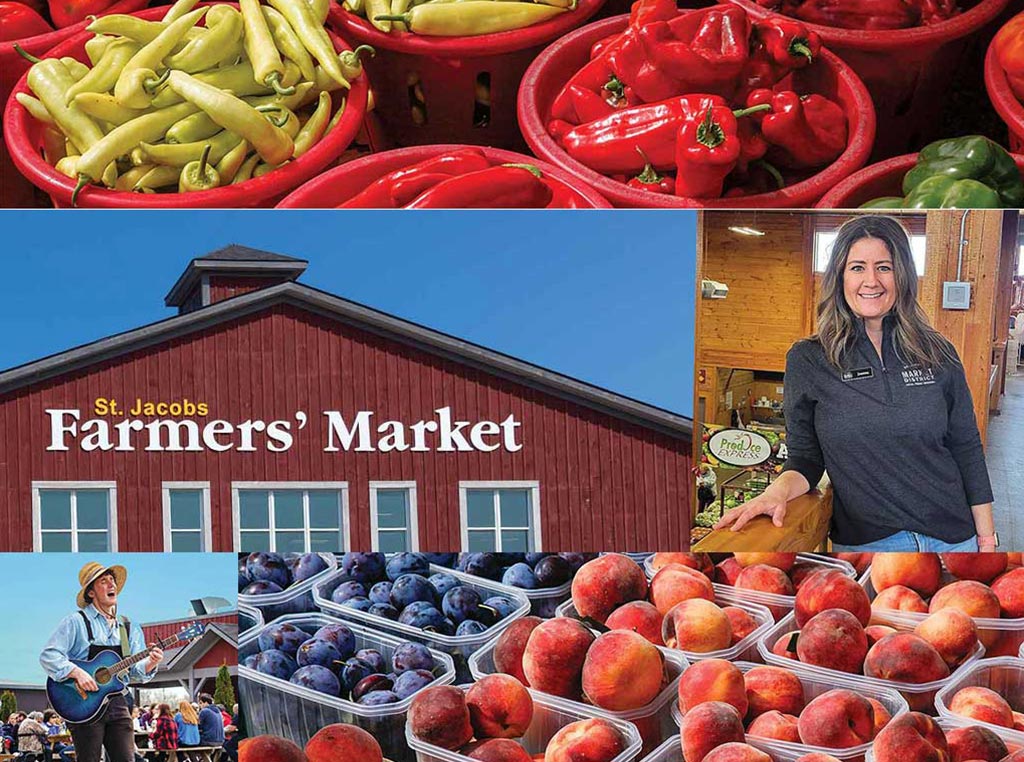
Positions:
{"x": 764, "y": 504}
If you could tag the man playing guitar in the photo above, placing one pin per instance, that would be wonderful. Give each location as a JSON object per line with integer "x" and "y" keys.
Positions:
{"x": 96, "y": 627}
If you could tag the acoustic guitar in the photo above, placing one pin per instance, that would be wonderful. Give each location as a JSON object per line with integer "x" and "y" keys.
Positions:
{"x": 110, "y": 673}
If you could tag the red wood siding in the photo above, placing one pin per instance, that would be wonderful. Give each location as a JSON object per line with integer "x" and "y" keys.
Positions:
{"x": 226, "y": 286}
{"x": 165, "y": 629}
{"x": 604, "y": 483}
{"x": 221, "y": 653}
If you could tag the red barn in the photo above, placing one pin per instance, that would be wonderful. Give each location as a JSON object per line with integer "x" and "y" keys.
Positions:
{"x": 271, "y": 415}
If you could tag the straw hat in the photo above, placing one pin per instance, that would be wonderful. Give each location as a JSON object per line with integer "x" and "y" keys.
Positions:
{"x": 91, "y": 572}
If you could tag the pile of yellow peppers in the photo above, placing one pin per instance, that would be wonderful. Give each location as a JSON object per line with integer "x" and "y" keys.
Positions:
{"x": 456, "y": 18}
{"x": 171, "y": 105}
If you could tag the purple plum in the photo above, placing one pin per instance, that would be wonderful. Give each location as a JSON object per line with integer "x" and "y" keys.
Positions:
{"x": 502, "y": 606}
{"x": 282, "y": 637}
{"x": 379, "y": 698}
{"x": 371, "y": 683}
{"x": 521, "y": 576}
{"x": 410, "y": 588}
{"x": 306, "y": 566}
{"x": 442, "y": 583}
{"x": 340, "y": 636}
{"x": 484, "y": 565}
{"x": 470, "y": 627}
{"x": 321, "y": 652}
{"x": 363, "y": 567}
{"x": 410, "y": 682}
{"x": 268, "y": 566}
{"x": 352, "y": 671}
{"x": 533, "y": 558}
{"x": 407, "y": 563}
{"x": 347, "y": 590}
{"x": 317, "y": 678}
{"x": 552, "y": 571}
{"x": 275, "y": 663}
{"x": 411, "y": 656}
{"x": 423, "y": 615}
{"x": 385, "y": 610}
{"x": 359, "y": 603}
{"x": 262, "y": 587}
{"x": 461, "y": 603}
{"x": 380, "y": 593}
{"x": 374, "y": 658}
{"x": 442, "y": 559}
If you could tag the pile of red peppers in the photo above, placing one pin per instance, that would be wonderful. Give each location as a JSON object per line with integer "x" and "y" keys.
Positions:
{"x": 691, "y": 104}
{"x": 20, "y": 19}
{"x": 871, "y": 15}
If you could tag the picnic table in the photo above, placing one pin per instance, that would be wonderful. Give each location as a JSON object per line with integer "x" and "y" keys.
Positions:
{"x": 206, "y": 753}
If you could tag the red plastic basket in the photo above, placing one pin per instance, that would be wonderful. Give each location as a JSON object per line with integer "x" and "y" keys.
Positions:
{"x": 342, "y": 183}
{"x": 1003, "y": 100}
{"x": 14, "y": 189}
{"x": 447, "y": 70}
{"x": 828, "y": 76}
{"x": 23, "y": 137}
{"x": 907, "y": 71}
{"x": 882, "y": 179}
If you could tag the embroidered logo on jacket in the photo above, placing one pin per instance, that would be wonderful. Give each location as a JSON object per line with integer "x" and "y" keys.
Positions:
{"x": 915, "y": 375}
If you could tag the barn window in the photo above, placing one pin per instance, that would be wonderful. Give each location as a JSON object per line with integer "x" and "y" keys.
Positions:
{"x": 186, "y": 517}
{"x": 75, "y": 517}
{"x": 500, "y": 516}
{"x": 290, "y": 517}
{"x": 393, "y": 520}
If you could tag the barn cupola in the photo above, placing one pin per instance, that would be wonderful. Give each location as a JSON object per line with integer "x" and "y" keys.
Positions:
{"x": 230, "y": 271}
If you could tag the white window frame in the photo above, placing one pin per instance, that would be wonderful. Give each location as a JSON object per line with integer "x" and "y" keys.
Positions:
{"x": 414, "y": 524}
{"x": 534, "y": 541}
{"x": 205, "y": 531}
{"x": 37, "y": 523}
{"x": 342, "y": 487}
{"x": 914, "y": 237}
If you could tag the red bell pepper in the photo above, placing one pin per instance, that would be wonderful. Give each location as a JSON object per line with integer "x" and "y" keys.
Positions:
{"x": 1009, "y": 50}
{"x": 650, "y": 180}
{"x": 708, "y": 148}
{"x": 396, "y": 189}
{"x": 704, "y": 51}
{"x": 581, "y": 98}
{"x": 801, "y": 131}
{"x": 18, "y": 21}
{"x": 856, "y": 14}
{"x": 645, "y": 11}
{"x": 68, "y": 12}
{"x": 778, "y": 46}
{"x": 508, "y": 186}
{"x": 934, "y": 11}
{"x": 609, "y": 145}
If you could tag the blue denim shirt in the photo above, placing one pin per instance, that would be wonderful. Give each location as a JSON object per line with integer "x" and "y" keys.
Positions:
{"x": 70, "y": 641}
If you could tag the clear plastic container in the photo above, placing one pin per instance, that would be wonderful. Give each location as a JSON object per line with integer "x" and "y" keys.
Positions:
{"x": 1008, "y": 736}
{"x": 724, "y": 596}
{"x": 248, "y": 618}
{"x": 814, "y": 686}
{"x": 670, "y": 751}
{"x": 920, "y": 696}
{"x": 1004, "y": 675}
{"x": 550, "y": 714}
{"x": 653, "y": 721}
{"x": 1002, "y": 637}
{"x": 780, "y": 605}
{"x": 284, "y": 709}
{"x": 297, "y": 599}
{"x": 459, "y": 647}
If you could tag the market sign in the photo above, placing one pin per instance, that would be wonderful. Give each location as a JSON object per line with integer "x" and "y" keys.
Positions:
{"x": 740, "y": 447}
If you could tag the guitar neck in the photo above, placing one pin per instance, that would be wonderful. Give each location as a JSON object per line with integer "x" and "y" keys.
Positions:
{"x": 130, "y": 661}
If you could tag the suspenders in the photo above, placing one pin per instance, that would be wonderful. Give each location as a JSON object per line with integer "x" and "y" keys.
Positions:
{"x": 125, "y": 626}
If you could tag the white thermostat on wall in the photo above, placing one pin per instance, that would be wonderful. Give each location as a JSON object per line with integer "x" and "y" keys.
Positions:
{"x": 956, "y": 295}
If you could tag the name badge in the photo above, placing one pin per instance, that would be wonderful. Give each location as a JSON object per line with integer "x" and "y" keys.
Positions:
{"x": 915, "y": 375}
{"x": 858, "y": 373}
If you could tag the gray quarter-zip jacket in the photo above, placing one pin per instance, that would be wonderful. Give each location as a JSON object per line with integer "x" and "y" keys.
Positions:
{"x": 899, "y": 441}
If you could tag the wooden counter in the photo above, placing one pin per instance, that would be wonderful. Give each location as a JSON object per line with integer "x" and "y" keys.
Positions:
{"x": 805, "y": 530}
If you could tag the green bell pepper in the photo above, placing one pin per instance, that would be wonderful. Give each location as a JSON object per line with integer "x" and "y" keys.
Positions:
{"x": 972, "y": 157}
{"x": 884, "y": 202}
{"x": 945, "y": 192}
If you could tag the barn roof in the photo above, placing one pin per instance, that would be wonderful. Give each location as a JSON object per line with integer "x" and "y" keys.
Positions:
{"x": 234, "y": 259}
{"x": 345, "y": 311}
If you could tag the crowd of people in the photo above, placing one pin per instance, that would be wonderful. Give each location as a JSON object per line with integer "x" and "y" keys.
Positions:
{"x": 40, "y": 736}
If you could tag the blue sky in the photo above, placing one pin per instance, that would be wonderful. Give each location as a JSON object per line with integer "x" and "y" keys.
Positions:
{"x": 605, "y": 297}
{"x": 40, "y": 590}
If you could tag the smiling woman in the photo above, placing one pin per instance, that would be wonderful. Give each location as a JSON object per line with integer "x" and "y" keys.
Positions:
{"x": 879, "y": 398}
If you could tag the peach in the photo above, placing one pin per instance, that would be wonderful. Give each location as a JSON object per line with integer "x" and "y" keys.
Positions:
{"x": 900, "y": 598}
{"x": 837, "y": 719}
{"x": 698, "y": 626}
{"x": 338, "y": 742}
{"x": 737, "y": 752}
{"x": 975, "y": 743}
{"x": 273, "y": 749}
{"x": 782, "y": 561}
{"x": 1018, "y": 721}
{"x": 508, "y": 651}
{"x": 882, "y": 714}
{"x": 952, "y": 633}
{"x": 554, "y": 656}
{"x": 743, "y": 622}
{"x": 981, "y": 567}
{"x": 593, "y": 740}
{"x": 983, "y": 705}
{"x": 973, "y": 598}
{"x": 920, "y": 572}
{"x": 439, "y": 716}
{"x": 833, "y": 639}
{"x": 773, "y": 689}
{"x": 765, "y": 579}
{"x": 817, "y": 756}
{"x": 602, "y": 585}
{"x": 801, "y": 571}
{"x": 675, "y": 583}
{"x": 875, "y": 632}
{"x": 911, "y": 736}
{"x": 859, "y": 561}
{"x": 700, "y": 561}
{"x": 1017, "y": 756}
{"x": 499, "y": 707}
{"x": 1009, "y": 589}
{"x": 786, "y": 646}
{"x": 831, "y": 589}
{"x": 712, "y": 680}
{"x": 776, "y": 725}
{"x": 727, "y": 571}
{"x": 906, "y": 658}
{"x": 1014, "y": 560}
{"x": 623, "y": 670}
{"x": 497, "y": 750}
{"x": 639, "y": 616}
{"x": 708, "y": 726}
